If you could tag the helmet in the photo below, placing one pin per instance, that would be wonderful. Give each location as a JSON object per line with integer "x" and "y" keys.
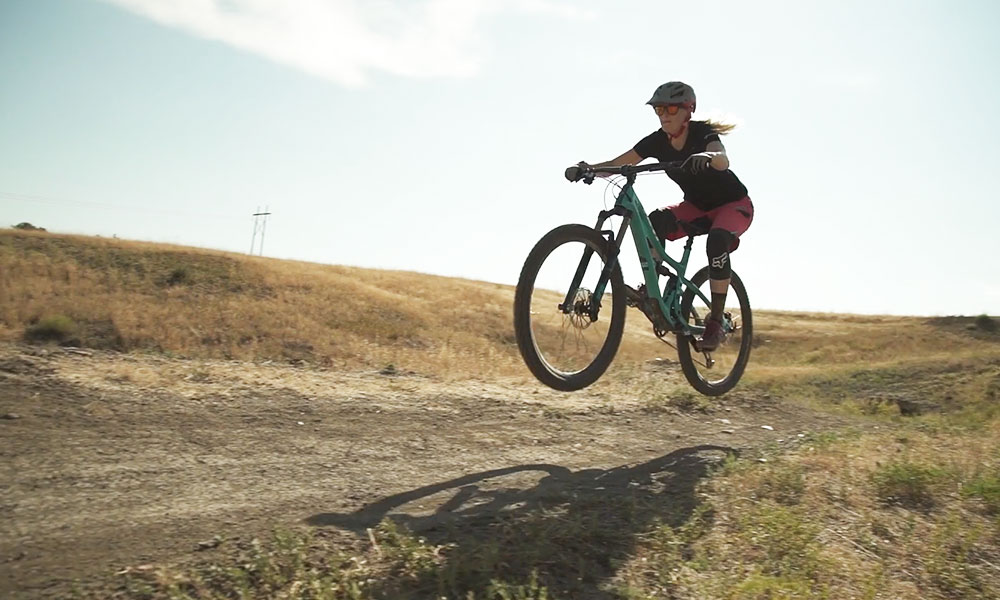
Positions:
{"x": 674, "y": 92}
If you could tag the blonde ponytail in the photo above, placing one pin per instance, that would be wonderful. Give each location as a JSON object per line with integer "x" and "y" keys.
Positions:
{"x": 719, "y": 127}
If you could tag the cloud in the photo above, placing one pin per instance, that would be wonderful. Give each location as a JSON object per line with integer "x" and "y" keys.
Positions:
{"x": 344, "y": 40}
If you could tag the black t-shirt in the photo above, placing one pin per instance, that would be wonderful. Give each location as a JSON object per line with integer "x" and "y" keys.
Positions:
{"x": 707, "y": 190}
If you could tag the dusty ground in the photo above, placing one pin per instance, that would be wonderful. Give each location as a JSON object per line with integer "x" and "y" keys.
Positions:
{"x": 111, "y": 461}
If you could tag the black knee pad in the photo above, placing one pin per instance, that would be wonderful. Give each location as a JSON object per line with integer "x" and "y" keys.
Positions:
{"x": 663, "y": 221}
{"x": 719, "y": 242}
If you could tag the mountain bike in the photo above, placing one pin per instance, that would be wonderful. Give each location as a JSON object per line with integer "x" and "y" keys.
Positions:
{"x": 569, "y": 324}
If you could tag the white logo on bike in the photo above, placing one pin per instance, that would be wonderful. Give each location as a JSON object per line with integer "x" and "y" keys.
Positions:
{"x": 719, "y": 262}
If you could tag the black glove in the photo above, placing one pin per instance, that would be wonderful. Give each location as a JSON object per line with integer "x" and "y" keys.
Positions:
{"x": 575, "y": 173}
{"x": 698, "y": 162}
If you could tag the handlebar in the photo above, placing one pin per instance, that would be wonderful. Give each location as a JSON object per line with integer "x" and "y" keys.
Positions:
{"x": 577, "y": 173}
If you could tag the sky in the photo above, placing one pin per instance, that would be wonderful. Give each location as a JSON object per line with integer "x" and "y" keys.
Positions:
{"x": 432, "y": 135}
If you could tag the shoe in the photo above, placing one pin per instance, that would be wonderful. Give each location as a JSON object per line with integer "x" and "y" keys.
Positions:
{"x": 712, "y": 337}
{"x": 633, "y": 296}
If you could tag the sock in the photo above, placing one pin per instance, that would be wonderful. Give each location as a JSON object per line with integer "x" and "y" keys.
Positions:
{"x": 718, "y": 305}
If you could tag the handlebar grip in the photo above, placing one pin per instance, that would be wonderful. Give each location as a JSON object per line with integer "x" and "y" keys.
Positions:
{"x": 574, "y": 173}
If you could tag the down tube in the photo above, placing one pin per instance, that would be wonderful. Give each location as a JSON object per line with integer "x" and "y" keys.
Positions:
{"x": 643, "y": 236}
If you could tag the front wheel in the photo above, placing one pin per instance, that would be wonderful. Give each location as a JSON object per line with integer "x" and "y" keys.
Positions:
{"x": 568, "y": 346}
{"x": 715, "y": 373}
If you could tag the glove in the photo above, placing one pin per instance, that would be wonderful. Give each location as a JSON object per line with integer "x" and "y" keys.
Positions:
{"x": 575, "y": 173}
{"x": 698, "y": 162}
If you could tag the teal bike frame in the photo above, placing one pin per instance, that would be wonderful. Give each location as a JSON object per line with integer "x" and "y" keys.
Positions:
{"x": 628, "y": 207}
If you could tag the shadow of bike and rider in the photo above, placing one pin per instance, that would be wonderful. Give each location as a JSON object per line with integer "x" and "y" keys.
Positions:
{"x": 572, "y": 528}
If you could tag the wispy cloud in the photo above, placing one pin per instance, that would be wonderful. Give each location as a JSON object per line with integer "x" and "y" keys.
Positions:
{"x": 344, "y": 40}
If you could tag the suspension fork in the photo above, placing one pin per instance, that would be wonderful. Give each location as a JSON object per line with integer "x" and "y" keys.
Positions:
{"x": 613, "y": 245}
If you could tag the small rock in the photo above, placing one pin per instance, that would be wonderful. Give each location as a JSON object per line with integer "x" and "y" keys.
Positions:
{"x": 728, "y": 431}
{"x": 762, "y": 460}
{"x": 215, "y": 542}
{"x": 299, "y": 423}
{"x": 801, "y": 435}
{"x": 725, "y": 421}
{"x": 767, "y": 427}
{"x": 11, "y": 416}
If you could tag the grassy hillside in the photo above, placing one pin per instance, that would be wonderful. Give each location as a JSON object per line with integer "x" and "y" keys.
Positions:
{"x": 905, "y": 506}
{"x": 134, "y": 296}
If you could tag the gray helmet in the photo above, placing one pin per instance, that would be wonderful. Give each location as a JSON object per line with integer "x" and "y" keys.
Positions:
{"x": 673, "y": 92}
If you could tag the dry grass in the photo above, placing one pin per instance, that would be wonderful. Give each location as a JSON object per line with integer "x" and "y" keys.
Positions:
{"x": 908, "y": 510}
{"x": 134, "y": 296}
{"x": 142, "y": 297}
{"x": 829, "y": 521}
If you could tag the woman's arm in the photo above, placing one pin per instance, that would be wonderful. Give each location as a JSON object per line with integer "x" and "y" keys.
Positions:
{"x": 629, "y": 158}
{"x": 717, "y": 152}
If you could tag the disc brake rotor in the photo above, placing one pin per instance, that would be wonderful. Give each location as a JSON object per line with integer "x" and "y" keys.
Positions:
{"x": 579, "y": 315}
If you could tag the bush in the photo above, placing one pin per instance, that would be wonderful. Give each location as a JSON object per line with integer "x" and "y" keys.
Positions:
{"x": 25, "y": 226}
{"x": 54, "y": 328}
{"x": 178, "y": 276}
{"x": 907, "y": 483}
{"x": 986, "y": 487}
{"x": 985, "y": 323}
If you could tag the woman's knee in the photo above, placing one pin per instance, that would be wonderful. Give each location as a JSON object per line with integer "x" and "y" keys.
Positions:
{"x": 664, "y": 222}
{"x": 718, "y": 245}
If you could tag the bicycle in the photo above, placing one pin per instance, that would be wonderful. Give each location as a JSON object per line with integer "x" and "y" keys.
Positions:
{"x": 560, "y": 331}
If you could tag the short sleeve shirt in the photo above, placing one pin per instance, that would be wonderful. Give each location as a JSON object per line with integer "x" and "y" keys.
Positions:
{"x": 707, "y": 190}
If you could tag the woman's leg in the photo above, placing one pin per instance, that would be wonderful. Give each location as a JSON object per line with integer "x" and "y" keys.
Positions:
{"x": 666, "y": 221}
{"x": 728, "y": 223}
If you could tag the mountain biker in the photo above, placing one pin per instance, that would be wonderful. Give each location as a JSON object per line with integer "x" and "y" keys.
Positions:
{"x": 715, "y": 201}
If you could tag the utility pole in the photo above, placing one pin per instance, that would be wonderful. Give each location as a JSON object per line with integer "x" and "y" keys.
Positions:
{"x": 263, "y": 228}
{"x": 253, "y": 240}
{"x": 262, "y": 223}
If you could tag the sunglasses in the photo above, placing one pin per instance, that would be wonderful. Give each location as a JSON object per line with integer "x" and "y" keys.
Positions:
{"x": 670, "y": 109}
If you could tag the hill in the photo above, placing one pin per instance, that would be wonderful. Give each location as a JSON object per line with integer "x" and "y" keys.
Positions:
{"x": 142, "y": 297}
{"x": 218, "y": 396}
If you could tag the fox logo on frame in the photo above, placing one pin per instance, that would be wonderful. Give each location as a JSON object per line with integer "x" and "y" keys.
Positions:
{"x": 719, "y": 262}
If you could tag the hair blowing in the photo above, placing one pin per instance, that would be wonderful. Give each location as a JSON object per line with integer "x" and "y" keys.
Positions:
{"x": 719, "y": 127}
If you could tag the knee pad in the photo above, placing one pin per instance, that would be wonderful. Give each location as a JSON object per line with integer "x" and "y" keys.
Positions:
{"x": 718, "y": 245}
{"x": 663, "y": 221}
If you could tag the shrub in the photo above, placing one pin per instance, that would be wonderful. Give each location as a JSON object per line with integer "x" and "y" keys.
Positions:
{"x": 54, "y": 328}
{"x": 985, "y": 323}
{"x": 987, "y": 488}
{"x": 178, "y": 276}
{"x": 906, "y": 483}
{"x": 25, "y": 226}
{"x": 785, "y": 484}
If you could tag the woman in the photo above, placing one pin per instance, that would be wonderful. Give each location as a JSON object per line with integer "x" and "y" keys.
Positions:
{"x": 714, "y": 198}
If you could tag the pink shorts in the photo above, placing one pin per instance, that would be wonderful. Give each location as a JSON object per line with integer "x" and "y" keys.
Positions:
{"x": 734, "y": 217}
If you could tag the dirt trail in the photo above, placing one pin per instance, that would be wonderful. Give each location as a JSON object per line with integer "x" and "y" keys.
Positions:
{"x": 110, "y": 460}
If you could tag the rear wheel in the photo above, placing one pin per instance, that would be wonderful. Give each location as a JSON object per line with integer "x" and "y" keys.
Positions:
{"x": 715, "y": 373}
{"x": 565, "y": 347}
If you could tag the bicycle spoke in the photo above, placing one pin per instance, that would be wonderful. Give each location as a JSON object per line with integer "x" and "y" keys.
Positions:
{"x": 714, "y": 367}
{"x": 578, "y": 340}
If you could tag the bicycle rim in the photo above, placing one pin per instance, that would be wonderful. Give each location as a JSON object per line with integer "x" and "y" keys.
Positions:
{"x": 716, "y": 372}
{"x": 564, "y": 346}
